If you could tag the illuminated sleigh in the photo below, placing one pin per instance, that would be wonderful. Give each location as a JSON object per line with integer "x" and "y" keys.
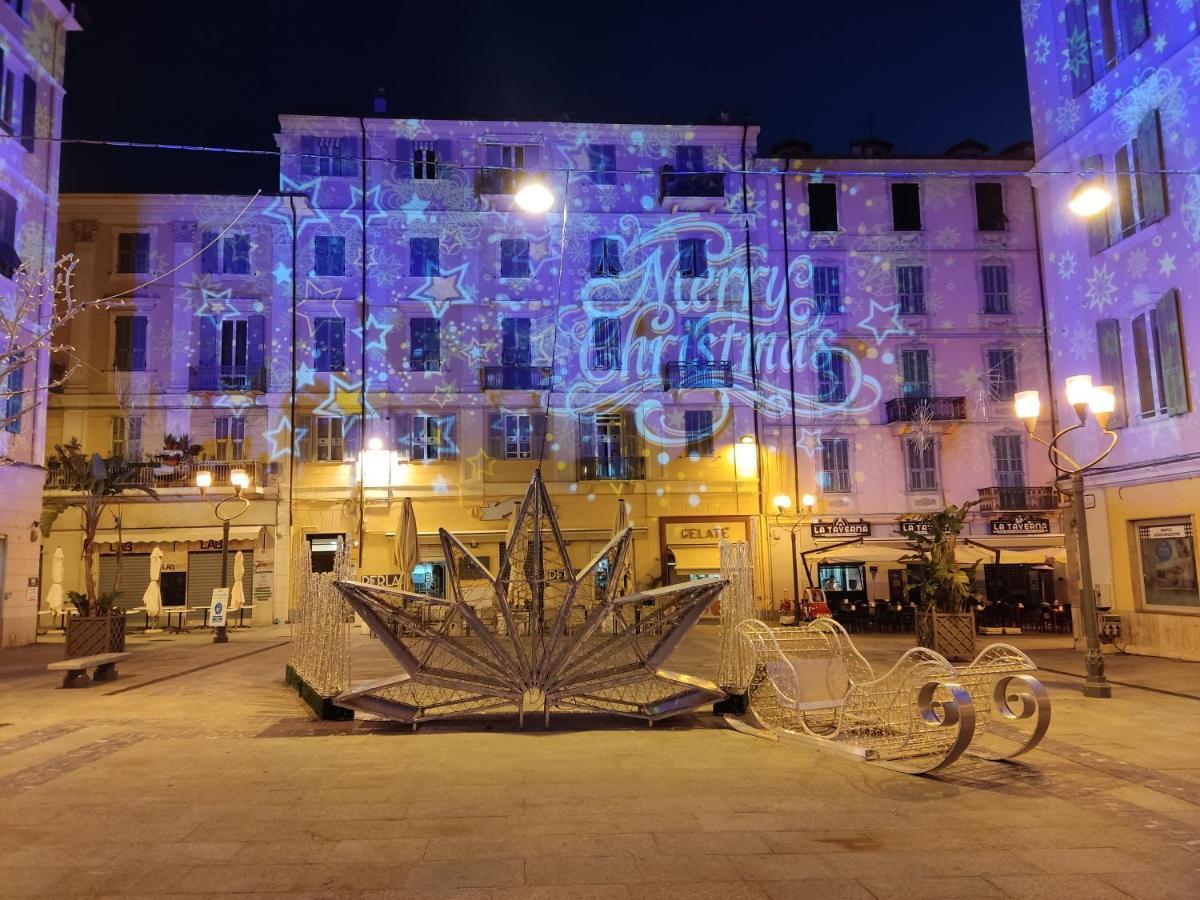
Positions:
{"x": 811, "y": 684}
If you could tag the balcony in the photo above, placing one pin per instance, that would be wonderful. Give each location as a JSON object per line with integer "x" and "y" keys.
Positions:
{"x": 496, "y": 181}
{"x": 158, "y": 476}
{"x": 1017, "y": 499}
{"x": 516, "y": 378}
{"x": 227, "y": 378}
{"x": 937, "y": 409}
{"x": 697, "y": 374}
{"x": 690, "y": 184}
{"x": 612, "y": 468}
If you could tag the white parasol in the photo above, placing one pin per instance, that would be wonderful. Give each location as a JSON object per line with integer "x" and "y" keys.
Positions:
{"x": 237, "y": 596}
{"x": 406, "y": 552}
{"x": 152, "y": 599}
{"x": 54, "y": 596}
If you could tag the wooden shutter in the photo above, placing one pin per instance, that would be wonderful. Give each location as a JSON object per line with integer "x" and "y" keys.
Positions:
{"x": 537, "y": 444}
{"x": 448, "y": 447}
{"x": 598, "y": 256}
{"x": 531, "y": 157}
{"x": 256, "y": 342}
{"x": 337, "y": 344}
{"x": 1131, "y": 20}
{"x": 123, "y": 344}
{"x": 209, "y": 342}
{"x": 1108, "y": 340}
{"x": 1097, "y": 225}
{"x": 28, "y": 112}
{"x": 402, "y": 424}
{"x": 1152, "y": 183}
{"x": 445, "y": 158}
{"x": 308, "y": 155}
{"x": 495, "y": 435}
{"x": 631, "y": 443}
{"x": 349, "y": 162}
{"x": 1141, "y": 359}
{"x": 210, "y": 255}
{"x": 404, "y": 158}
{"x": 587, "y": 434}
{"x": 306, "y": 441}
{"x": 137, "y": 343}
{"x": 351, "y": 434}
{"x": 1170, "y": 351}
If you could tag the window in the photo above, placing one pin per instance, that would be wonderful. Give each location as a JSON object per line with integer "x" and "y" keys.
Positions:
{"x": 425, "y": 345}
{"x": 606, "y": 343}
{"x": 336, "y": 156}
{"x": 910, "y": 285}
{"x": 133, "y": 252}
{"x": 914, "y": 370}
{"x": 329, "y": 252}
{"x": 995, "y": 289}
{"x": 329, "y": 345}
{"x": 831, "y": 375}
{"x": 610, "y": 436}
{"x": 516, "y": 347}
{"x": 425, "y": 160}
{"x": 834, "y": 476}
{"x": 28, "y": 112}
{"x": 1141, "y": 188}
{"x": 602, "y": 159}
{"x": 502, "y": 162}
{"x": 428, "y": 437}
{"x": 906, "y": 206}
{"x": 329, "y": 445}
{"x": 1124, "y": 27}
{"x": 10, "y": 91}
{"x": 9, "y": 261}
{"x": 1007, "y": 455}
{"x": 1158, "y": 355}
{"x": 127, "y": 437}
{"x": 827, "y": 289}
{"x": 514, "y": 259}
{"x": 920, "y": 464}
{"x": 1077, "y": 49}
{"x": 230, "y": 434}
{"x": 822, "y": 206}
{"x": 1167, "y": 549}
{"x": 697, "y": 340}
{"x": 15, "y": 389}
{"x": 606, "y": 257}
{"x": 423, "y": 257}
{"x": 1112, "y": 368}
{"x": 130, "y": 346}
{"x": 1002, "y": 373}
{"x": 230, "y": 254}
{"x": 989, "y": 206}
{"x": 698, "y": 426}
{"x": 1097, "y": 225}
{"x": 518, "y": 436}
{"x": 689, "y": 158}
{"x": 693, "y": 258}
{"x": 235, "y": 343}
{"x": 17, "y": 5}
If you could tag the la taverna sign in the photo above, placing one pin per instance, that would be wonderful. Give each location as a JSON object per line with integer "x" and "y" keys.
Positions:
{"x": 841, "y": 528}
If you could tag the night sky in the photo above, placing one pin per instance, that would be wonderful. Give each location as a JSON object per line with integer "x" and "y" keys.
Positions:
{"x": 928, "y": 73}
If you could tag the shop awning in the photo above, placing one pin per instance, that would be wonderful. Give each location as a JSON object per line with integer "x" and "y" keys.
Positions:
{"x": 860, "y": 553}
{"x": 696, "y": 559}
{"x": 1035, "y": 557}
{"x": 174, "y": 535}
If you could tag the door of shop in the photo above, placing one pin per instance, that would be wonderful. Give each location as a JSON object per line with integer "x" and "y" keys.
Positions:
{"x": 204, "y": 575}
{"x": 135, "y": 577}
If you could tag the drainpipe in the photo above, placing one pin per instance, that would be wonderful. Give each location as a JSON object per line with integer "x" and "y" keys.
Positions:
{"x": 750, "y": 315}
{"x": 292, "y": 447}
{"x": 362, "y": 320}
{"x": 787, "y": 312}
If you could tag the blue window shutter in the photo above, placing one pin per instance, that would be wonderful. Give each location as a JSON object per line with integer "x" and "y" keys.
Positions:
{"x": 445, "y": 159}
{"x": 404, "y": 158}
{"x": 1151, "y": 181}
{"x": 209, "y": 341}
{"x": 687, "y": 257}
{"x": 308, "y": 155}
{"x": 1097, "y": 225}
{"x": 598, "y": 256}
{"x": 1170, "y": 349}
{"x": 209, "y": 256}
{"x": 137, "y": 344}
{"x": 532, "y": 159}
{"x": 338, "y": 254}
{"x": 256, "y": 336}
{"x": 337, "y": 336}
{"x": 1131, "y": 19}
{"x": 508, "y": 342}
{"x": 701, "y": 257}
{"x": 142, "y": 252}
{"x": 320, "y": 339}
{"x": 28, "y": 112}
{"x": 350, "y": 157}
{"x": 506, "y": 258}
{"x": 448, "y": 446}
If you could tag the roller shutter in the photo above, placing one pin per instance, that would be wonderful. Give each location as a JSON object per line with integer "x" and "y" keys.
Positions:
{"x": 204, "y": 574}
{"x": 135, "y": 576}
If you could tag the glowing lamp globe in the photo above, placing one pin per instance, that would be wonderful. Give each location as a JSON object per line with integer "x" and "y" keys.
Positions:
{"x": 204, "y": 480}
{"x": 1102, "y": 404}
{"x": 1079, "y": 389}
{"x": 1028, "y": 404}
{"x": 808, "y": 501}
{"x": 239, "y": 479}
{"x": 533, "y": 196}
{"x": 1089, "y": 198}
{"x": 782, "y": 502}
{"x": 375, "y": 444}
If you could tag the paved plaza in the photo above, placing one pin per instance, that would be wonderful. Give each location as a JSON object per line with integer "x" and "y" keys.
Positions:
{"x": 198, "y": 773}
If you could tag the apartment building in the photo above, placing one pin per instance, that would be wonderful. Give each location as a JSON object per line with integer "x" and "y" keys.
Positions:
{"x": 1112, "y": 87}
{"x": 32, "y": 50}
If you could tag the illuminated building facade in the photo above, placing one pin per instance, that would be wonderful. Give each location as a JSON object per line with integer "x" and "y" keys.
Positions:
{"x": 614, "y": 347}
{"x": 1113, "y": 89}
{"x": 32, "y": 50}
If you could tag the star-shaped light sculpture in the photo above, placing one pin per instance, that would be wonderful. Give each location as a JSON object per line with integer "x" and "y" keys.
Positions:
{"x": 538, "y": 636}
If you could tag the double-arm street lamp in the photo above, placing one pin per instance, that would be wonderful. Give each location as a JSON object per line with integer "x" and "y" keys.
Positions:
{"x": 1100, "y": 401}
{"x": 240, "y": 481}
{"x": 783, "y": 503}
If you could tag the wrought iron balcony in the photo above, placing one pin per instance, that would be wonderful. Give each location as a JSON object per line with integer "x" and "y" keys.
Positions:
{"x": 1010, "y": 499}
{"x": 165, "y": 474}
{"x": 516, "y": 378}
{"x": 697, "y": 374}
{"x": 612, "y": 468}
{"x": 691, "y": 184}
{"x": 227, "y": 378}
{"x": 940, "y": 409}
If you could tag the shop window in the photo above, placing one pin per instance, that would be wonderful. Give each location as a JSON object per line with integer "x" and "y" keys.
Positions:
{"x": 1167, "y": 550}
{"x": 323, "y": 549}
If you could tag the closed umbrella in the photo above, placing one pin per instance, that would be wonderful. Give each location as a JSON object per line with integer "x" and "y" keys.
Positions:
{"x": 406, "y": 551}
{"x": 237, "y": 596}
{"x": 54, "y": 596}
{"x": 152, "y": 599}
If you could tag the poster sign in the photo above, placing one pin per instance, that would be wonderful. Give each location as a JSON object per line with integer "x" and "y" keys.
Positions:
{"x": 220, "y": 603}
{"x": 31, "y": 589}
{"x": 264, "y": 575}
{"x": 919, "y": 526}
{"x": 1020, "y": 525}
{"x": 841, "y": 528}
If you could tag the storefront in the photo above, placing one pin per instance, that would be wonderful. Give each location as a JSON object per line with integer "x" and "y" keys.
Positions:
{"x": 691, "y": 546}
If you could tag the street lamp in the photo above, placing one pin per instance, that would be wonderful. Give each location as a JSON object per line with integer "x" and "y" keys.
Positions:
{"x": 533, "y": 195}
{"x": 240, "y": 480}
{"x": 1100, "y": 401}
{"x": 807, "y": 504}
{"x": 1091, "y": 196}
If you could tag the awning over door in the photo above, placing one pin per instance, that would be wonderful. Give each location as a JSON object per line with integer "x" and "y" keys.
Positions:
{"x": 156, "y": 536}
{"x": 696, "y": 559}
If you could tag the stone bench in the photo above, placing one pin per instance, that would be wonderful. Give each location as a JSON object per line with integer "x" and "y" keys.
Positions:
{"x": 105, "y": 665}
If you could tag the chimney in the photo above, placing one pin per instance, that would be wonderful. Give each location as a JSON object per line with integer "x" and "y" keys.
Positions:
{"x": 380, "y": 101}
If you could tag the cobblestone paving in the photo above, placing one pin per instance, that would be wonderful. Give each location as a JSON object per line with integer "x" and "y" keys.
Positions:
{"x": 199, "y": 774}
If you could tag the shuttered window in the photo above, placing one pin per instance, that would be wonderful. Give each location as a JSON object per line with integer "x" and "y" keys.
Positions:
{"x": 1077, "y": 47}
{"x": 1112, "y": 368}
{"x": 1097, "y": 225}
{"x": 28, "y": 112}
{"x": 230, "y": 438}
{"x": 329, "y": 345}
{"x": 834, "y": 476}
{"x": 920, "y": 464}
{"x": 606, "y": 343}
{"x": 204, "y": 575}
{"x": 133, "y": 252}
{"x": 130, "y": 345}
{"x": 914, "y": 369}
{"x": 423, "y": 257}
{"x": 514, "y": 259}
{"x": 15, "y": 400}
{"x": 693, "y": 258}
{"x": 989, "y": 206}
{"x": 602, "y": 162}
{"x": 606, "y": 257}
{"x": 516, "y": 347}
{"x": 906, "y": 206}
{"x": 517, "y": 435}
{"x": 133, "y": 581}
{"x": 1002, "y": 373}
{"x": 822, "y": 206}
{"x": 910, "y": 285}
{"x": 698, "y": 426}
{"x": 827, "y": 289}
{"x": 235, "y": 252}
{"x": 831, "y": 375}
{"x": 995, "y": 289}
{"x": 337, "y": 156}
{"x": 1158, "y": 352}
{"x": 425, "y": 345}
{"x": 1010, "y": 465}
{"x": 329, "y": 255}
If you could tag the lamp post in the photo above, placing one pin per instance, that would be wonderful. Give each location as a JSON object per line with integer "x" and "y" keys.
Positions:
{"x": 1100, "y": 401}
{"x": 782, "y": 504}
{"x": 241, "y": 482}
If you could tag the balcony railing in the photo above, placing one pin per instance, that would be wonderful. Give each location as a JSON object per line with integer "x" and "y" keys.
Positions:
{"x": 697, "y": 374}
{"x": 160, "y": 475}
{"x": 227, "y": 378}
{"x": 612, "y": 468}
{"x": 941, "y": 409}
{"x": 1011, "y": 499}
{"x": 516, "y": 378}
{"x": 691, "y": 184}
{"x": 426, "y": 364}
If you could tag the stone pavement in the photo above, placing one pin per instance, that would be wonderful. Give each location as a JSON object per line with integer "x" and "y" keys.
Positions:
{"x": 199, "y": 774}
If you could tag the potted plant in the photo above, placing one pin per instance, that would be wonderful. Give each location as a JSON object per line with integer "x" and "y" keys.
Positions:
{"x": 99, "y": 628}
{"x": 177, "y": 450}
{"x": 943, "y": 621}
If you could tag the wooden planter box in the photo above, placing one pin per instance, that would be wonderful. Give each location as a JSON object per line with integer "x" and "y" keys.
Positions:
{"x": 950, "y": 634}
{"x": 90, "y": 635}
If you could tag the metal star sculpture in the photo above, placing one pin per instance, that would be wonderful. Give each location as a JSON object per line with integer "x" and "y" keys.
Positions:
{"x": 538, "y": 636}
